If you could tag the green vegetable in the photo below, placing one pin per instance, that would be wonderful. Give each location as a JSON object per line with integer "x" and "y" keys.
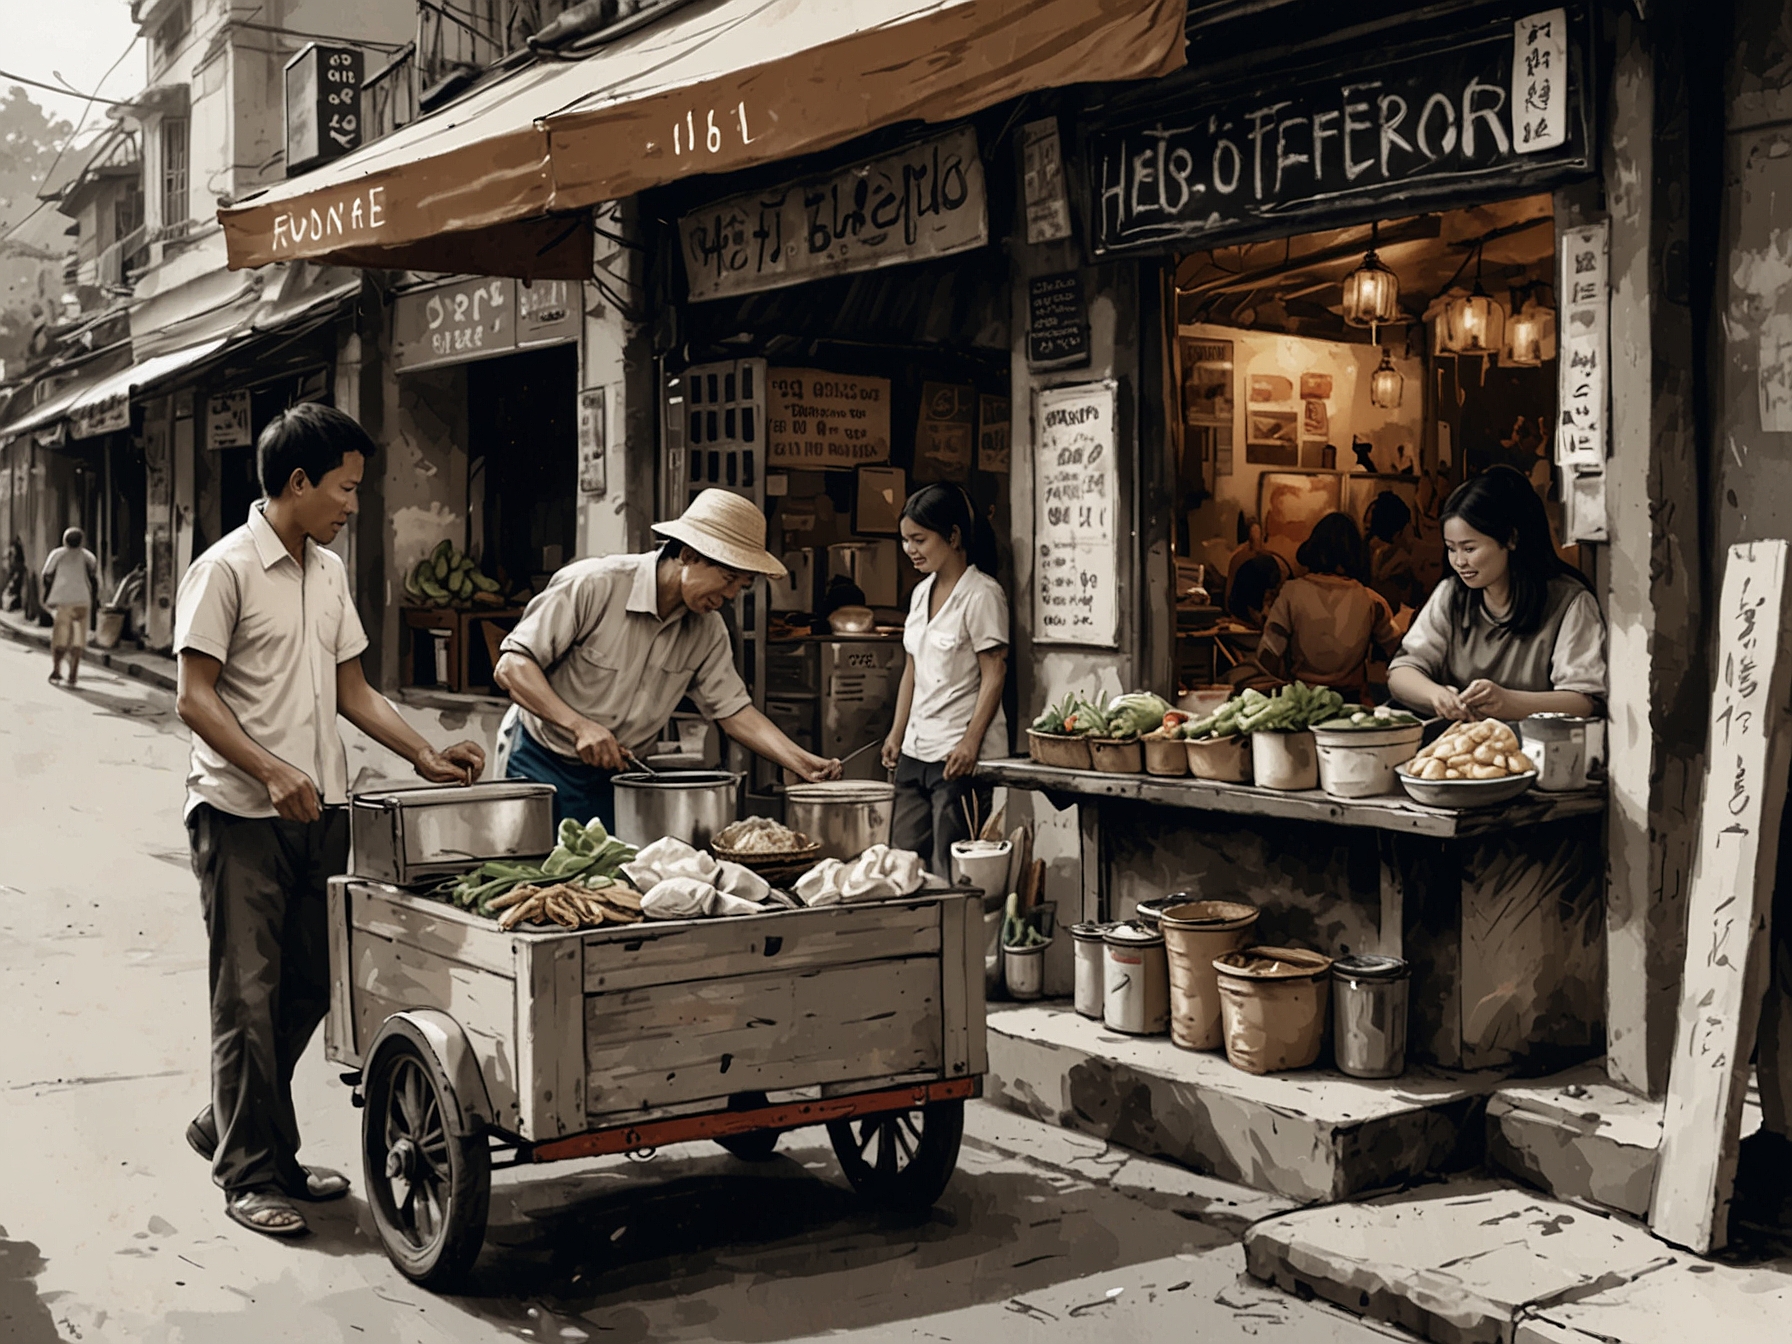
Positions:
{"x": 1135, "y": 714}
{"x": 1292, "y": 709}
{"x": 585, "y": 853}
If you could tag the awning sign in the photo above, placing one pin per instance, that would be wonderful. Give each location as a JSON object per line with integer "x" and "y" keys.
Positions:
{"x": 104, "y": 417}
{"x": 1385, "y": 133}
{"x": 477, "y": 319}
{"x": 547, "y": 313}
{"x": 924, "y": 201}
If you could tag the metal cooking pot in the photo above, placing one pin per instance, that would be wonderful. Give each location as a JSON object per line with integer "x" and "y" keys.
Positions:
{"x": 847, "y": 816}
{"x": 688, "y": 805}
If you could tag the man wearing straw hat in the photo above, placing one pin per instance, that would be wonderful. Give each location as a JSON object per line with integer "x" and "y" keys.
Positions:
{"x": 603, "y": 656}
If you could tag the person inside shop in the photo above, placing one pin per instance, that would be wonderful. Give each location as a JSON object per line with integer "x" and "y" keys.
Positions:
{"x": 949, "y": 705}
{"x": 1324, "y": 625}
{"x": 1253, "y": 589}
{"x": 1391, "y": 571}
{"x": 1250, "y": 546}
{"x": 1513, "y": 630}
{"x": 270, "y": 647}
{"x": 602, "y": 657}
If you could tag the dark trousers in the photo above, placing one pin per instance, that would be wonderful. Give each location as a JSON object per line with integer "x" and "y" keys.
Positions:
{"x": 581, "y": 792}
{"x": 930, "y": 811}
{"x": 262, "y": 881}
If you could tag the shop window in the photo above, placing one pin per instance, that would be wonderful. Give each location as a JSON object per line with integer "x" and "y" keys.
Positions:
{"x": 171, "y": 33}
{"x": 1283, "y": 410}
{"x": 176, "y": 209}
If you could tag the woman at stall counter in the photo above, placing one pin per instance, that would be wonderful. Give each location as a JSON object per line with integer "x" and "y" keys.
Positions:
{"x": 1324, "y": 626}
{"x": 949, "y": 707}
{"x": 602, "y": 657}
{"x": 1513, "y": 630}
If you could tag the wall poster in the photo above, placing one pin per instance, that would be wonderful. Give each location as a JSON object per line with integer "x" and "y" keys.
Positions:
{"x": 1076, "y": 535}
{"x": 593, "y": 442}
{"x": 945, "y": 432}
{"x": 817, "y": 420}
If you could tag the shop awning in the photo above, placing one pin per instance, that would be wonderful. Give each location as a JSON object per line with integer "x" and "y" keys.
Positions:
{"x": 496, "y": 184}
{"x": 57, "y": 404}
{"x": 106, "y": 405}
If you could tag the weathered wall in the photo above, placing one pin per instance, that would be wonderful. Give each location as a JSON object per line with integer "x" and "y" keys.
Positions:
{"x": 1652, "y": 570}
{"x": 617, "y": 356}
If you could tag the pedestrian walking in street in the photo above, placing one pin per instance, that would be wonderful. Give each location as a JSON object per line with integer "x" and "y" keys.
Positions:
{"x": 269, "y": 644}
{"x": 71, "y": 575}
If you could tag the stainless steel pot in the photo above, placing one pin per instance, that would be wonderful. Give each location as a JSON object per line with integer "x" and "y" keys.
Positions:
{"x": 401, "y": 836}
{"x": 688, "y": 805}
{"x": 847, "y": 816}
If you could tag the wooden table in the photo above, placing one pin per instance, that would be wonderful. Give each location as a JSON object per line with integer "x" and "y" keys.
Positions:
{"x": 1500, "y": 910}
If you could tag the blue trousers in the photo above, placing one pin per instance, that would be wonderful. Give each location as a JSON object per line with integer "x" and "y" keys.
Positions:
{"x": 580, "y": 791}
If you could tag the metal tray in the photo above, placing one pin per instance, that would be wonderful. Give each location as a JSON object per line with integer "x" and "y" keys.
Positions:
{"x": 401, "y": 836}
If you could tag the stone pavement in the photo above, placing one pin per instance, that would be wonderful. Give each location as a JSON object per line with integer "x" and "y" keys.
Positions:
{"x": 128, "y": 661}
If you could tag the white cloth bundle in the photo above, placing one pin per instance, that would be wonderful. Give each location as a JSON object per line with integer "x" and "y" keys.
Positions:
{"x": 680, "y": 882}
{"x": 879, "y": 873}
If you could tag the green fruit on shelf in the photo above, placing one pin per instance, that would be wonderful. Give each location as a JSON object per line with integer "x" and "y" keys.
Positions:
{"x": 441, "y": 568}
{"x": 432, "y": 590}
{"x": 442, "y": 551}
{"x": 484, "y": 583}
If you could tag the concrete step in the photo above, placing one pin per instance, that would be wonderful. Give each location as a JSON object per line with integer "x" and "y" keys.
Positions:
{"x": 1685, "y": 1302}
{"x": 1308, "y": 1136}
{"x": 1578, "y": 1138}
{"x": 1466, "y": 1262}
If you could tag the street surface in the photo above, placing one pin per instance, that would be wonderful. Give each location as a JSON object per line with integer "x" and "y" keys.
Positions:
{"x": 110, "y": 1229}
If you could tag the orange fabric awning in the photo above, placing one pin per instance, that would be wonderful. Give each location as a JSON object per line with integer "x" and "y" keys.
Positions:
{"x": 499, "y": 183}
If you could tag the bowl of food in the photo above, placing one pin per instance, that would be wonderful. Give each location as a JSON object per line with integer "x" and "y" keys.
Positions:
{"x": 768, "y": 847}
{"x": 1471, "y": 765}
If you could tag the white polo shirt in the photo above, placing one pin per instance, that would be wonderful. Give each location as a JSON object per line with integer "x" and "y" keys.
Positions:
{"x": 973, "y": 620}
{"x": 280, "y": 630}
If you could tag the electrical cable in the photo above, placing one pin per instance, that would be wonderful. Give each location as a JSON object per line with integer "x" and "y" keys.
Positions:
{"x": 58, "y": 88}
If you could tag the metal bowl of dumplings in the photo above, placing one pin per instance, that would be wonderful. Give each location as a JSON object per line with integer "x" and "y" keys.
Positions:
{"x": 1461, "y": 793}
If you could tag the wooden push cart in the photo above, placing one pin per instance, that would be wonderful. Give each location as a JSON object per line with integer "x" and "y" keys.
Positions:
{"x": 472, "y": 1047}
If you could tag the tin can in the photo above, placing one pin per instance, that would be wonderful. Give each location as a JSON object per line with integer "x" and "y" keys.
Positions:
{"x": 1369, "y": 997}
{"x": 1091, "y": 975}
{"x": 1567, "y": 750}
{"x": 1136, "y": 981}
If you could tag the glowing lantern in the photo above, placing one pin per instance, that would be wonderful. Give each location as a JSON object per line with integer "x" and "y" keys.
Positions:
{"x": 1386, "y": 384}
{"x": 1371, "y": 291}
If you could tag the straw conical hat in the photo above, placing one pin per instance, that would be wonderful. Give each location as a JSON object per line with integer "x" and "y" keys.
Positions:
{"x": 727, "y": 528}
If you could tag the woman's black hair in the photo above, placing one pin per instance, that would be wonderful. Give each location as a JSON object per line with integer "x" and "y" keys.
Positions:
{"x": 1503, "y": 504}
{"x": 943, "y": 508}
{"x": 1388, "y": 514}
{"x": 1335, "y": 547}
{"x": 1256, "y": 579}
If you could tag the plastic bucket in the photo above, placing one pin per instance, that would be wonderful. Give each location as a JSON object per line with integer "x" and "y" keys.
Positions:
{"x": 1273, "y": 1002}
{"x": 1194, "y": 934}
{"x": 1226, "y": 760}
{"x": 1285, "y": 761}
{"x": 1360, "y": 763}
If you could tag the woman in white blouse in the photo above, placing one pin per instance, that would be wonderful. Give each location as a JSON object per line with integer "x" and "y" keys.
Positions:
{"x": 1513, "y": 630}
{"x": 949, "y": 709}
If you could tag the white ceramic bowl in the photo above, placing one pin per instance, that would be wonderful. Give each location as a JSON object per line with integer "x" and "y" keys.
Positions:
{"x": 1465, "y": 792}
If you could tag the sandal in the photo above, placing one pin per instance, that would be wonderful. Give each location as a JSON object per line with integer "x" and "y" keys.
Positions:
{"x": 266, "y": 1211}
{"x": 322, "y": 1184}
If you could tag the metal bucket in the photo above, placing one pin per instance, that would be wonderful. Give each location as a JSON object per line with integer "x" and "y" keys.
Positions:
{"x": 1136, "y": 983}
{"x": 1369, "y": 996}
{"x": 847, "y": 816}
{"x": 1091, "y": 973}
{"x": 688, "y": 805}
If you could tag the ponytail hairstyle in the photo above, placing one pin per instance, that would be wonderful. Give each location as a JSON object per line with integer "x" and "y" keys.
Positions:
{"x": 944, "y": 509}
{"x": 1502, "y": 503}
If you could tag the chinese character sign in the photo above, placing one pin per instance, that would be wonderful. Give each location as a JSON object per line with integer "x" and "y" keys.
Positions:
{"x": 1583, "y": 348}
{"x": 1540, "y": 81}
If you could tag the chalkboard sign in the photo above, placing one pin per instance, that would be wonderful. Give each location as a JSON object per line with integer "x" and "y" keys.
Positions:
{"x": 1057, "y": 322}
{"x": 1076, "y": 554}
{"x": 1360, "y": 135}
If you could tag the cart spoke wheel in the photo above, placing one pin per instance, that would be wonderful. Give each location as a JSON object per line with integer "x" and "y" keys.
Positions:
{"x": 428, "y": 1183}
{"x": 903, "y": 1159}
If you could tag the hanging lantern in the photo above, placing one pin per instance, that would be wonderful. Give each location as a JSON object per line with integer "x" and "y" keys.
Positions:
{"x": 1473, "y": 323}
{"x": 1530, "y": 336}
{"x": 1371, "y": 291}
{"x": 1386, "y": 384}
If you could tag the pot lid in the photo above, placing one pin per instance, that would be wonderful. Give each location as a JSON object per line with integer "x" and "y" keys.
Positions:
{"x": 841, "y": 791}
{"x": 1273, "y": 963}
{"x": 675, "y": 779}
{"x": 1133, "y": 935}
{"x": 1369, "y": 966}
{"x": 1089, "y": 933}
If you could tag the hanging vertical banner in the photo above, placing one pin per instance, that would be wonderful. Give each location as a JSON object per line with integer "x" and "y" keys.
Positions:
{"x": 1539, "y": 97}
{"x": 1042, "y": 168}
{"x": 1075, "y": 545}
{"x": 593, "y": 442}
{"x": 945, "y": 432}
{"x": 993, "y": 434}
{"x": 1582, "y": 348}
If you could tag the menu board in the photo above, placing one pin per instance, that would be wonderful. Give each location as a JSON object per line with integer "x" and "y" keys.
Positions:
{"x": 816, "y": 420}
{"x": 1057, "y": 321}
{"x": 1076, "y": 549}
